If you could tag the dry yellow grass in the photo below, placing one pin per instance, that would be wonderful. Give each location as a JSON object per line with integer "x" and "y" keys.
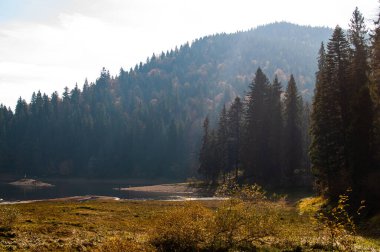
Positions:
{"x": 151, "y": 225}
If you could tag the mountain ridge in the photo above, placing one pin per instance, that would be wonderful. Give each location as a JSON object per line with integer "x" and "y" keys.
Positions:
{"x": 147, "y": 121}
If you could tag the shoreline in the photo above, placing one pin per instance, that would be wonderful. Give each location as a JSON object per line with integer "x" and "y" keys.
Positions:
{"x": 175, "y": 192}
{"x": 84, "y": 198}
{"x": 175, "y": 188}
{"x": 30, "y": 183}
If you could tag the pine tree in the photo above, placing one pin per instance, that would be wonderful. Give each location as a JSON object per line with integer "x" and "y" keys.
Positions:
{"x": 319, "y": 127}
{"x": 372, "y": 188}
{"x": 275, "y": 129}
{"x": 360, "y": 128}
{"x": 5, "y": 152}
{"x": 330, "y": 116}
{"x": 255, "y": 149}
{"x": 207, "y": 161}
{"x": 306, "y": 140}
{"x": 222, "y": 143}
{"x": 292, "y": 133}
{"x": 375, "y": 84}
{"x": 234, "y": 135}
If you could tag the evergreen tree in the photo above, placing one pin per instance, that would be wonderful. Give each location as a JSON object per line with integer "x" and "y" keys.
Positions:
{"x": 375, "y": 84}
{"x": 235, "y": 116}
{"x": 292, "y": 133}
{"x": 319, "y": 127}
{"x": 255, "y": 149}
{"x": 372, "y": 186}
{"x": 207, "y": 160}
{"x": 360, "y": 128}
{"x": 375, "y": 81}
{"x": 6, "y": 116}
{"x": 222, "y": 143}
{"x": 328, "y": 149}
{"x": 306, "y": 141}
{"x": 275, "y": 129}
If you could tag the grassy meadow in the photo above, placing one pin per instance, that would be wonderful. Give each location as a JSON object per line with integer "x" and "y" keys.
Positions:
{"x": 249, "y": 223}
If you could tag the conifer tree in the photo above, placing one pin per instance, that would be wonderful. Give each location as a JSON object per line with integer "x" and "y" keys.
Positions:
{"x": 319, "y": 128}
{"x": 372, "y": 185}
{"x": 328, "y": 150}
{"x": 375, "y": 84}
{"x": 275, "y": 129}
{"x": 255, "y": 153}
{"x": 360, "y": 128}
{"x": 234, "y": 135}
{"x": 207, "y": 160}
{"x": 292, "y": 133}
{"x": 306, "y": 140}
{"x": 222, "y": 143}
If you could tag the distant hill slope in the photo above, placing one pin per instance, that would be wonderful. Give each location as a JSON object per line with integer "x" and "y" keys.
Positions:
{"x": 229, "y": 60}
{"x": 147, "y": 121}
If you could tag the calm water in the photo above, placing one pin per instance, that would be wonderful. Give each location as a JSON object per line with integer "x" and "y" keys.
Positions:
{"x": 78, "y": 187}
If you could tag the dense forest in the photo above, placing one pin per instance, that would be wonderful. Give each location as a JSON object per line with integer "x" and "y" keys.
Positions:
{"x": 266, "y": 135}
{"x": 147, "y": 121}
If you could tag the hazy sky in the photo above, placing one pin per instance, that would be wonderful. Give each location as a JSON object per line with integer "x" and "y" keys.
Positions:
{"x": 49, "y": 44}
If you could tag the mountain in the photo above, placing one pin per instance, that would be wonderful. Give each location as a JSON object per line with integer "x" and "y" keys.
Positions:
{"x": 146, "y": 122}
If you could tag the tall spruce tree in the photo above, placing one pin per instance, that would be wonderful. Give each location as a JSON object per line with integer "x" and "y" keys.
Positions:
{"x": 375, "y": 84}
{"x": 222, "y": 143}
{"x": 207, "y": 157}
{"x": 292, "y": 133}
{"x": 275, "y": 129}
{"x": 319, "y": 127}
{"x": 360, "y": 128}
{"x": 255, "y": 153}
{"x": 373, "y": 187}
{"x": 234, "y": 135}
{"x": 330, "y": 116}
{"x": 306, "y": 140}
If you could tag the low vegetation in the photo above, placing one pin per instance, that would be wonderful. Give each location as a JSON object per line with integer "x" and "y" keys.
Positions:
{"x": 249, "y": 220}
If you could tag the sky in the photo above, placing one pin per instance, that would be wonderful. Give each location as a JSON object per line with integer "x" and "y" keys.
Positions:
{"x": 49, "y": 44}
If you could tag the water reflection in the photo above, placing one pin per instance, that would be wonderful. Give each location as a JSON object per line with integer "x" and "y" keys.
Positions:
{"x": 78, "y": 187}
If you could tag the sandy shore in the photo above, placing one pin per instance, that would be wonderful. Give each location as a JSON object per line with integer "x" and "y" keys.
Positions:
{"x": 179, "y": 188}
{"x": 30, "y": 183}
{"x": 65, "y": 199}
{"x": 178, "y": 191}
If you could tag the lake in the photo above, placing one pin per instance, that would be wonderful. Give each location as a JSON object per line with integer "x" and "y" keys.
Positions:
{"x": 80, "y": 187}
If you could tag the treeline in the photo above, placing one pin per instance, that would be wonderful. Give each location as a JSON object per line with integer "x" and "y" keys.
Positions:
{"x": 345, "y": 148}
{"x": 91, "y": 132}
{"x": 267, "y": 137}
{"x": 147, "y": 121}
{"x": 262, "y": 139}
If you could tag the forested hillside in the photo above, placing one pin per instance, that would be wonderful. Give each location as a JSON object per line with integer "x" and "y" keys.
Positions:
{"x": 268, "y": 139}
{"x": 147, "y": 121}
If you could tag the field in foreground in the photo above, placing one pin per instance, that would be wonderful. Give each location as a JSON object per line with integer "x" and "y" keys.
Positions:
{"x": 229, "y": 225}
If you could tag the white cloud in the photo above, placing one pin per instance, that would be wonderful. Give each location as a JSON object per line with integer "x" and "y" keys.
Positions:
{"x": 56, "y": 45}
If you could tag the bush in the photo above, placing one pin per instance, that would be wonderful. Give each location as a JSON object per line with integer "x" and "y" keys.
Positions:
{"x": 229, "y": 223}
{"x": 8, "y": 217}
{"x": 186, "y": 228}
{"x": 339, "y": 224}
{"x": 251, "y": 193}
{"x": 116, "y": 244}
{"x": 243, "y": 222}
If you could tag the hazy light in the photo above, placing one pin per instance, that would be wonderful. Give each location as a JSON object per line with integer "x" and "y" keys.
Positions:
{"x": 47, "y": 45}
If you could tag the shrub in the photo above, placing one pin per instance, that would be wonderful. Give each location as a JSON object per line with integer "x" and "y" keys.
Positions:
{"x": 116, "y": 244}
{"x": 8, "y": 217}
{"x": 339, "y": 224}
{"x": 184, "y": 228}
{"x": 251, "y": 193}
{"x": 243, "y": 219}
{"x": 229, "y": 223}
